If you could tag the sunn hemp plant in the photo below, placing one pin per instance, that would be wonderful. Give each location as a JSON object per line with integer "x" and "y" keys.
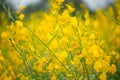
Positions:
{"x": 58, "y": 45}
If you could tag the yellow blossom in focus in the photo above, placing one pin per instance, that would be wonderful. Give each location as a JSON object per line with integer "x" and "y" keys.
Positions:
{"x": 4, "y": 35}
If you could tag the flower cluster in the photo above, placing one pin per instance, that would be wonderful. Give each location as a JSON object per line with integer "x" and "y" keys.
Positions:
{"x": 61, "y": 46}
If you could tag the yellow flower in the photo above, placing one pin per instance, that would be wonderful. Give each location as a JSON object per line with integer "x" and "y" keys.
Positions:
{"x": 94, "y": 51}
{"x": 102, "y": 76}
{"x": 4, "y": 35}
{"x": 54, "y": 45}
{"x": 70, "y": 9}
{"x": 19, "y": 23}
{"x": 65, "y": 16}
{"x": 59, "y": 1}
{"x": 113, "y": 69}
{"x": 50, "y": 67}
{"x": 95, "y": 23}
{"x": 53, "y": 78}
{"x": 21, "y": 16}
{"x": 92, "y": 36}
{"x": 22, "y": 7}
{"x": 56, "y": 66}
{"x": 87, "y": 22}
{"x": 98, "y": 65}
{"x": 86, "y": 16}
{"x": 38, "y": 66}
{"x": 73, "y": 21}
{"x": 1, "y": 57}
{"x": 62, "y": 55}
{"x": 117, "y": 56}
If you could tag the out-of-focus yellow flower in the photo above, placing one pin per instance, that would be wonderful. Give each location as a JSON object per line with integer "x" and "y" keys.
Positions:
{"x": 74, "y": 21}
{"x": 95, "y": 24}
{"x": 76, "y": 59}
{"x": 102, "y": 76}
{"x": 54, "y": 45}
{"x": 94, "y": 50}
{"x": 88, "y": 60}
{"x": 108, "y": 59}
{"x": 53, "y": 78}
{"x": 70, "y": 8}
{"x": 95, "y": 53}
{"x": 60, "y": 1}
{"x": 98, "y": 65}
{"x": 112, "y": 68}
{"x": 19, "y": 23}
{"x": 56, "y": 66}
{"x": 92, "y": 36}
{"x": 62, "y": 55}
{"x": 87, "y": 22}
{"x": 65, "y": 16}
{"x": 21, "y": 16}
{"x": 16, "y": 60}
{"x": 22, "y": 7}
{"x": 86, "y": 16}
{"x": 69, "y": 76}
{"x": 67, "y": 31}
{"x": 1, "y": 57}
{"x": 38, "y": 66}
{"x": 50, "y": 67}
{"x": 4, "y": 35}
{"x": 117, "y": 57}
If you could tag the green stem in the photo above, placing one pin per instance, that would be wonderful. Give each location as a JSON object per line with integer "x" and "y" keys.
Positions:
{"x": 45, "y": 46}
{"x": 111, "y": 18}
{"x": 23, "y": 58}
